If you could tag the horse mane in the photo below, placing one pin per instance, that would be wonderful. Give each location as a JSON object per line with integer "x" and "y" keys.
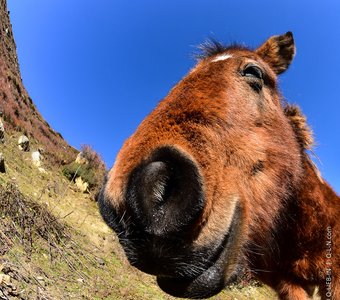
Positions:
{"x": 303, "y": 133}
{"x": 212, "y": 47}
{"x": 301, "y": 129}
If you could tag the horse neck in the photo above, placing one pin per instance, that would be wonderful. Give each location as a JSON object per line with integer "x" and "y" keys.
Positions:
{"x": 314, "y": 211}
{"x": 302, "y": 225}
{"x": 314, "y": 196}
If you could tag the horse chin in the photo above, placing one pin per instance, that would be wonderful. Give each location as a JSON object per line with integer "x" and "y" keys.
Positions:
{"x": 223, "y": 272}
{"x": 208, "y": 284}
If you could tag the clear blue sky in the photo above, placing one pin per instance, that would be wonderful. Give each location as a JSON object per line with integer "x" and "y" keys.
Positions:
{"x": 95, "y": 69}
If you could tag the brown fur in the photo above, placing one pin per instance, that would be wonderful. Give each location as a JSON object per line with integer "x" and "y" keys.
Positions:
{"x": 278, "y": 51}
{"x": 302, "y": 131}
{"x": 249, "y": 150}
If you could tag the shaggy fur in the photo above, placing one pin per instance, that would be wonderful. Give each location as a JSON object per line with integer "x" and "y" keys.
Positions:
{"x": 212, "y": 47}
{"x": 218, "y": 176}
{"x": 303, "y": 133}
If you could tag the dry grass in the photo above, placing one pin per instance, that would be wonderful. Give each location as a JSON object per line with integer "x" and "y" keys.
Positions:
{"x": 27, "y": 220}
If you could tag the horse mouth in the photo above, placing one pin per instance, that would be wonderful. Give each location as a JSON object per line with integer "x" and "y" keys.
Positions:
{"x": 223, "y": 271}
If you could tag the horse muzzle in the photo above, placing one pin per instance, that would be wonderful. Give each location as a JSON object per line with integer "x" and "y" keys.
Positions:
{"x": 163, "y": 202}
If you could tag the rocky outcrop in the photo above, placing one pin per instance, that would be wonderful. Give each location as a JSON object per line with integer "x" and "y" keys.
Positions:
{"x": 36, "y": 158}
{"x": 24, "y": 143}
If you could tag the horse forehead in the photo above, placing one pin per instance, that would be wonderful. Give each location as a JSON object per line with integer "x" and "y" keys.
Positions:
{"x": 223, "y": 56}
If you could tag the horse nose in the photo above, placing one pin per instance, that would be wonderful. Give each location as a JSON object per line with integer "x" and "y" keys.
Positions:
{"x": 165, "y": 193}
{"x": 157, "y": 182}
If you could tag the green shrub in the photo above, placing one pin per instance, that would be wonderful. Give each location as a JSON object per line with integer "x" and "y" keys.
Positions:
{"x": 92, "y": 172}
{"x": 74, "y": 170}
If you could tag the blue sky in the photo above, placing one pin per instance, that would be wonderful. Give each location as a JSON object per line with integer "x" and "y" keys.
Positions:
{"x": 95, "y": 69}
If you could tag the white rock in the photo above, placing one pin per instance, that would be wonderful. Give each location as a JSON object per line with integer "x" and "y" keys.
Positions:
{"x": 81, "y": 184}
{"x": 36, "y": 158}
{"x": 24, "y": 143}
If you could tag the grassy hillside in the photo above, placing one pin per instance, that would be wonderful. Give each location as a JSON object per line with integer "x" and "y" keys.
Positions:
{"x": 54, "y": 245}
{"x": 77, "y": 257}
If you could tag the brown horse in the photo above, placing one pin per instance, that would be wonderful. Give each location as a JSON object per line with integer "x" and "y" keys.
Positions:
{"x": 217, "y": 178}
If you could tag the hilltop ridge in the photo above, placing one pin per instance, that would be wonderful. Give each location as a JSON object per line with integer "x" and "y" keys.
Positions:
{"x": 19, "y": 110}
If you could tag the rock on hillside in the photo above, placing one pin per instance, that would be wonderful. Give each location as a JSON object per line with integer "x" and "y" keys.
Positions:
{"x": 19, "y": 111}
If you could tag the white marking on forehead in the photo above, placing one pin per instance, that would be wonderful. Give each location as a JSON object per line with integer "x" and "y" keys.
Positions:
{"x": 222, "y": 57}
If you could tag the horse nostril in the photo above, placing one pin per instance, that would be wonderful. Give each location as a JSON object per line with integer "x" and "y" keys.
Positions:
{"x": 155, "y": 182}
{"x": 165, "y": 194}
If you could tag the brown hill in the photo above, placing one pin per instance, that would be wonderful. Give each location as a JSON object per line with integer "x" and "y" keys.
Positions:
{"x": 19, "y": 111}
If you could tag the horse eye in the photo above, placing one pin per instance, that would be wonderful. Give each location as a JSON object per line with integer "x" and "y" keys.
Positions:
{"x": 252, "y": 71}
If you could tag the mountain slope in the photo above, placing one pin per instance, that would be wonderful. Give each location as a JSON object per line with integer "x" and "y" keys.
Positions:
{"x": 19, "y": 111}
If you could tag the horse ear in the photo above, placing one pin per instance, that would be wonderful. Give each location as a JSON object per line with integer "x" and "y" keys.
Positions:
{"x": 278, "y": 51}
